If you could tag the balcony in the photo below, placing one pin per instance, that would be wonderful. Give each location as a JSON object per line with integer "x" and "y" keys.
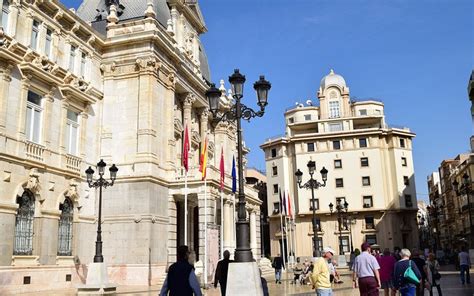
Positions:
{"x": 34, "y": 151}
{"x": 73, "y": 163}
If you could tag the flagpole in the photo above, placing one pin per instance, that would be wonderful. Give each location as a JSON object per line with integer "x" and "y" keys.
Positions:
{"x": 286, "y": 243}
{"x": 282, "y": 237}
{"x": 185, "y": 207}
{"x": 294, "y": 235}
{"x": 222, "y": 224}
{"x": 205, "y": 233}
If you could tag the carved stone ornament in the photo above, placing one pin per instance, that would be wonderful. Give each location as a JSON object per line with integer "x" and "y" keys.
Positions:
{"x": 151, "y": 64}
{"x": 178, "y": 127}
{"x": 72, "y": 192}
{"x": 189, "y": 100}
{"x": 33, "y": 183}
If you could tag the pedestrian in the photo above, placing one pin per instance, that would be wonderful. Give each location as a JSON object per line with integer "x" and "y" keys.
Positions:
{"x": 221, "y": 272}
{"x": 433, "y": 275}
{"x": 335, "y": 277}
{"x": 365, "y": 274}
{"x": 421, "y": 264}
{"x": 278, "y": 264}
{"x": 396, "y": 253}
{"x": 297, "y": 271}
{"x": 181, "y": 279}
{"x": 386, "y": 263}
{"x": 406, "y": 286}
{"x": 464, "y": 266}
{"x": 264, "y": 284}
{"x": 320, "y": 276}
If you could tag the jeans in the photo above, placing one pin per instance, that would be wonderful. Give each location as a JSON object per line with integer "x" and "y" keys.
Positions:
{"x": 278, "y": 275}
{"x": 408, "y": 291}
{"x": 324, "y": 292}
{"x": 465, "y": 269}
{"x": 438, "y": 286}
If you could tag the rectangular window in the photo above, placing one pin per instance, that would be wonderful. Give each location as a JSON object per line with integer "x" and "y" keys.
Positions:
{"x": 408, "y": 202}
{"x": 338, "y": 163}
{"x": 83, "y": 65}
{"x": 406, "y": 180}
{"x": 275, "y": 188}
{"x": 336, "y": 145}
{"x": 339, "y": 183}
{"x": 404, "y": 161}
{"x": 72, "y": 127}
{"x": 5, "y": 13}
{"x": 344, "y": 243}
{"x": 402, "y": 143}
{"x": 310, "y": 147}
{"x": 274, "y": 171}
{"x": 366, "y": 181}
{"x": 335, "y": 127}
{"x": 276, "y": 207}
{"x": 274, "y": 152}
{"x": 317, "y": 223}
{"x": 307, "y": 117}
{"x": 362, "y": 142}
{"x": 363, "y": 112}
{"x": 320, "y": 244}
{"x": 49, "y": 40}
{"x": 34, "y": 35}
{"x": 291, "y": 120}
{"x": 369, "y": 222}
{"x": 316, "y": 204}
{"x": 364, "y": 161}
{"x": 368, "y": 202}
{"x": 33, "y": 117}
{"x": 72, "y": 58}
{"x": 334, "y": 109}
{"x": 371, "y": 239}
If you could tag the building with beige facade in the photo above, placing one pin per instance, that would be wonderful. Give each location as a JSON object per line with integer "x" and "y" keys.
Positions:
{"x": 370, "y": 166}
{"x": 118, "y": 83}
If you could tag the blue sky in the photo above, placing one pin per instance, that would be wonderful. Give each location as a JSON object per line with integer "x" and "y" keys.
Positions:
{"x": 416, "y": 56}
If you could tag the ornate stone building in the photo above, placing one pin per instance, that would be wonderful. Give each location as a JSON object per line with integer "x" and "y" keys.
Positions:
{"x": 112, "y": 82}
{"x": 370, "y": 167}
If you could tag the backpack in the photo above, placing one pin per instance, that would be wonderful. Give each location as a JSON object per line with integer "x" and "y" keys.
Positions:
{"x": 410, "y": 276}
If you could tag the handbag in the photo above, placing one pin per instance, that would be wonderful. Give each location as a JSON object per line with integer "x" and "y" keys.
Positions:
{"x": 410, "y": 275}
{"x": 435, "y": 273}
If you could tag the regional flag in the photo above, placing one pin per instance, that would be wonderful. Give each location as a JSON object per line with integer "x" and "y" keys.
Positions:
{"x": 234, "y": 176}
{"x": 203, "y": 160}
{"x": 222, "y": 169}
{"x": 289, "y": 205}
{"x": 185, "y": 157}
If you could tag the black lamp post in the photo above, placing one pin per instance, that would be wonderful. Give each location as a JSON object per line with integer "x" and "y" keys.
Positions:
{"x": 341, "y": 211}
{"x": 466, "y": 188}
{"x": 435, "y": 213}
{"x": 349, "y": 221}
{"x": 313, "y": 184}
{"x": 99, "y": 183}
{"x": 237, "y": 112}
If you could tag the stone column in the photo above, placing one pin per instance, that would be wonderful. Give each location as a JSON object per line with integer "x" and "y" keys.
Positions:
{"x": 83, "y": 134}
{"x": 253, "y": 232}
{"x": 48, "y": 106}
{"x": 187, "y": 107}
{"x": 228, "y": 220}
{"x": 5, "y": 78}
{"x": 203, "y": 124}
{"x": 62, "y": 128}
{"x": 55, "y": 45}
{"x": 13, "y": 18}
{"x": 25, "y": 86}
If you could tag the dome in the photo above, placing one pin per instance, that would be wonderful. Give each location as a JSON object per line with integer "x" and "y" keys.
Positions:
{"x": 129, "y": 9}
{"x": 332, "y": 79}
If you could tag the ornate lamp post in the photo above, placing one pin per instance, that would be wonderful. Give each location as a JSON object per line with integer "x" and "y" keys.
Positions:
{"x": 237, "y": 112}
{"x": 435, "y": 213}
{"x": 99, "y": 183}
{"x": 313, "y": 184}
{"x": 341, "y": 210}
{"x": 466, "y": 189}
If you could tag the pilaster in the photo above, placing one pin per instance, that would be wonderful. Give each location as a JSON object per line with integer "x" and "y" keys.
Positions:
{"x": 83, "y": 133}
{"x": 47, "y": 119}
{"x": 25, "y": 86}
{"x": 5, "y": 79}
{"x": 63, "y": 125}
{"x": 13, "y": 17}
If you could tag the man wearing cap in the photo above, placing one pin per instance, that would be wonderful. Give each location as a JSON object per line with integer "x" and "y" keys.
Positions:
{"x": 365, "y": 273}
{"x": 321, "y": 276}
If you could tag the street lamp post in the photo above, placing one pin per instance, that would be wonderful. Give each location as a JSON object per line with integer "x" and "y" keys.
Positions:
{"x": 99, "y": 183}
{"x": 237, "y": 112}
{"x": 349, "y": 221}
{"x": 466, "y": 188}
{"x": 341, "y": 210}
{"x": 313, "y": 184}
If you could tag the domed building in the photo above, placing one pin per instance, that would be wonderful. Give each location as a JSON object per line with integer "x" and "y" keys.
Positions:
{"x": 369, "y": 192}
{"x": 118, "y": 81}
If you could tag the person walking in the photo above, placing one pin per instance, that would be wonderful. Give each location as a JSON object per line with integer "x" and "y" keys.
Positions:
{"x": 320, "y": 276}
{"x": 406, "y": 286}
{"x": 386, "y": 263}
{"x": 181, "y": 279}
{"x": 297, "y": 271}
{"x": 221, "y": 272}
{"x": 278, "y": 265}
{"x": 433, "y": 276}
{"x": 464, "y": 266}
{"x": 365, "y": 274}
{"x": 421, "y": 264}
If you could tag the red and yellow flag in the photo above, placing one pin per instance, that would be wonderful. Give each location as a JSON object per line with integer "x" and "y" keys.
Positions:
{"x": 203, "y": 160}
{"x": 221, "y": 167}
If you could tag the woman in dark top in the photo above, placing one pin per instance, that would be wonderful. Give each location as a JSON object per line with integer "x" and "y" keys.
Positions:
{"x": 400, "y": 283}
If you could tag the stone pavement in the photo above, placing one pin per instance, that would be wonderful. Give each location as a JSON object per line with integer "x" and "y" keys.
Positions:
{"x": 450, "y": 285}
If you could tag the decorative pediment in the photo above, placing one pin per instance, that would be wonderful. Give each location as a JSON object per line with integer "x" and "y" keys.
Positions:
{"x": 178, "y": 128}
{"x": 195, "y": 138}
{"x": 211, "y": 149}
{"x": 78, "y": 88}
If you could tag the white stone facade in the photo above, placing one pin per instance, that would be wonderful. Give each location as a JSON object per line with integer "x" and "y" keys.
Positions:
{"x": 373, "y": 164}
{"x": 70, "y": 95}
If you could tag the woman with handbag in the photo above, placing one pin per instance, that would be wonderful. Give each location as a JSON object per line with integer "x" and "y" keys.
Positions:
{"x": 433, "y": 275}
{"x": 406, "y": 275}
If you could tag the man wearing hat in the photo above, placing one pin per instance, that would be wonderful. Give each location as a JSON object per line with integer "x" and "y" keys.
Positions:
{"x": 365, "y": 273}
{"x": 321, "y": 276}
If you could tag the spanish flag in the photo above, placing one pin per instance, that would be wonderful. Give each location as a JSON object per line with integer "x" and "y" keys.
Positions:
{"x": 203, "y": 160}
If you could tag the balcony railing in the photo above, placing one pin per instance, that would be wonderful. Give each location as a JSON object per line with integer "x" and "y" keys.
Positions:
{"x": 34, "y": 151}
{"x": 73, "y": 163}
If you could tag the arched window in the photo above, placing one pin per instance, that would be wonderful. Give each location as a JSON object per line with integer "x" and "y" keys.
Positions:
{"x": 334, "y": 108}
{"x": 24, "y": 224}
{"x": 65, "y": 228}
